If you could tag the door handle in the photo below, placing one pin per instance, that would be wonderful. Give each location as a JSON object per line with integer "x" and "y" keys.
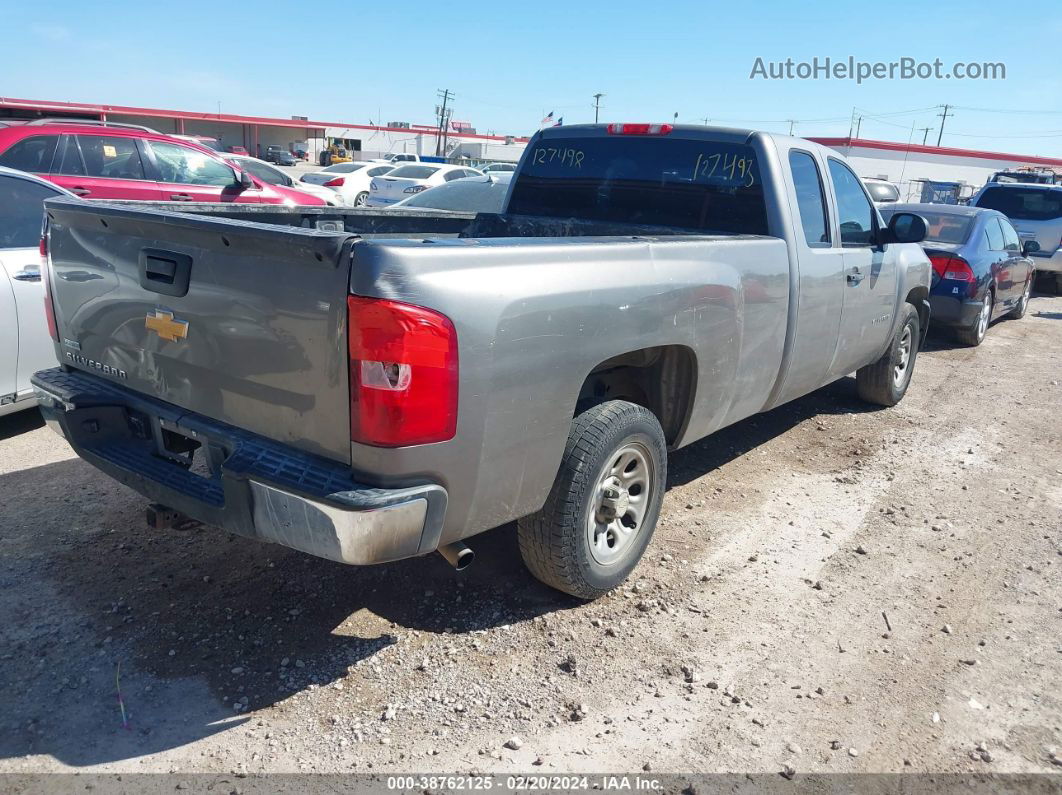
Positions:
{"x": 27, "y": 275}
{"x": 180, "y": 197}
{"x": 79, "y": 191}
{"x": 854, "y": 276}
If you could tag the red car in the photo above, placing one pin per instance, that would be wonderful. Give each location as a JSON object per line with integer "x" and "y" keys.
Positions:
{"x": 109, "y": 161}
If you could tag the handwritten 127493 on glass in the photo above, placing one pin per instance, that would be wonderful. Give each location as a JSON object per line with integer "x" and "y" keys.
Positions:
{"x": 692, "y": 183}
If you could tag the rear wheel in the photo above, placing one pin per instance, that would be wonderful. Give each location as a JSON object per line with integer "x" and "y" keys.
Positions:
{"x": 604, "y": 504}
{"x": 885, "y": 381}
{"x": 361, "y": 198}
{"x": 974, "y": 334}
{"x": 1018, "y": 312}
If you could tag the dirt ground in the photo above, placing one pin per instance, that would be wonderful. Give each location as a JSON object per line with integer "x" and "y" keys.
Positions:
{"x": 832, "y": 588}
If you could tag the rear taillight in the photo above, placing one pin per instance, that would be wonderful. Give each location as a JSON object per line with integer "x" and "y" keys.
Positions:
{"x": 640, "y": 129}
{"x": 46, "y": 281}
{"x": 952, "y": 268}
{"x": 334, "y": 183}
{"x": 415, "y": 188}
{"x": 403, "y": 373}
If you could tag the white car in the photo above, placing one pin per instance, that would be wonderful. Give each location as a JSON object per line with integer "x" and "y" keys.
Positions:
{"x": 485, "y": 194}
{"x": 408, "y": 180}
{"x": 25, "y": 344}
{"x": 882, "y": 191}
{"x": 499, "y": 168}
{"x": 268, "y": 173}
{"x": 349, "y": 181}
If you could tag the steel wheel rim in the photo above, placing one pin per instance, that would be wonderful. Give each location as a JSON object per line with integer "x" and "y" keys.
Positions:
{"x": 899, "y": 372}
{"x": 620, "y": 502}
{"x": 983, "y": 318}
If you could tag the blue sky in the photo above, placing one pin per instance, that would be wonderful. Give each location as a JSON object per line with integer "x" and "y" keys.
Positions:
{"x": 509, "y": 62}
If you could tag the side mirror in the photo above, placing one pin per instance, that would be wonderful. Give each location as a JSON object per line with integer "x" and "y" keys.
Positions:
{"x": 1029, "y": 247}
{"x": 244, "y": 180}
{"x": 906, "y": 228}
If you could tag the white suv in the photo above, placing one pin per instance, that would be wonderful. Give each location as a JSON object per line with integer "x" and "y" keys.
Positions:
{"x": 1036, "y": 212}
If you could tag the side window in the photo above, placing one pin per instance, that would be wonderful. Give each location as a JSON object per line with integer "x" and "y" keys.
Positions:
{"x": 855, "y": 213}
{"x": 452, "y": 175}
{"x": 20, "y": 207}
{"x": 811, "y": 203}
{"x": 111, "y": 157}
{"x": 262, "y": 172}
{"x": 33, "y": 154}
{"x": 1010, "y": 237}
{"x": 185, "y": 166}
{"x": 995, "y": 235}
{"x": 69, "y": 158}
{"x": 375, "y": 172}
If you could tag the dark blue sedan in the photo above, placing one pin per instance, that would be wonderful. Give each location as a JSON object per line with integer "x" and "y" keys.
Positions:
{"x": 980, "y": 269}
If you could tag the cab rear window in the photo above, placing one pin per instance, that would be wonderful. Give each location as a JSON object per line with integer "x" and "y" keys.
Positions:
{"x": 704, "y": 185}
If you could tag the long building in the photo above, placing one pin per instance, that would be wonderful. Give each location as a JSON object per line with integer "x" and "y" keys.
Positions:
{"x": 931, "y": 173}
{"x": 923, "y": 173}
{"x": 255, "y": 133}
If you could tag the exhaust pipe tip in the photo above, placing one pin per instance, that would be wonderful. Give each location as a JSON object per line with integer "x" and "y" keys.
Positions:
{"x": 457, "y": 555}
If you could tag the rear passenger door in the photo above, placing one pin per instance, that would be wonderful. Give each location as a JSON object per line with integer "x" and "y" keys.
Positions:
{"x": 869, "y": 286}
{"x": 102, "y": 167}
{"x": 821, "y": 273}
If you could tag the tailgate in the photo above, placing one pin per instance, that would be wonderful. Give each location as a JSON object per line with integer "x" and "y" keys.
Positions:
{"x": 241, "y": 322}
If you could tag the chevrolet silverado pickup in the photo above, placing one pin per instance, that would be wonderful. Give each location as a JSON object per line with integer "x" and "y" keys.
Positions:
{"x": 371, "y": 397}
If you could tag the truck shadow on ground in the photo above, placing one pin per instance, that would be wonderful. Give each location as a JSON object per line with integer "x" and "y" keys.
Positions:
{"x": 19, "y": 423}
{"x": 200, "y": 620}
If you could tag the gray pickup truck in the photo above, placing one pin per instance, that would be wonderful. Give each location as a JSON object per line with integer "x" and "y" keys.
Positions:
{"x": 367, "y": 398}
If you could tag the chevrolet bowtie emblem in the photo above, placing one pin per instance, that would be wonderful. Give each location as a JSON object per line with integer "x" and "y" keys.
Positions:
{"x": 163, "y": 324}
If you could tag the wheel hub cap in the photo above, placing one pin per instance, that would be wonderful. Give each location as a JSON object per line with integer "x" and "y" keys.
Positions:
{"x": 621, "y": 499}
{"x": 900, "y": 370}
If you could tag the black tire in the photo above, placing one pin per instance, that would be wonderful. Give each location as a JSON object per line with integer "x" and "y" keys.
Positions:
{"x": 555, "y": 542}
{"x": 1018, "y": 312}
{"x": 974, "y": 334}
{"x": 1058, "y": 284}
{"x": 882, "y": 382}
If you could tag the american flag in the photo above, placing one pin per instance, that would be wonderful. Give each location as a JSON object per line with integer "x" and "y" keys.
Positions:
{"x": 547, "y": 118}
{"x": 560, "y": 121}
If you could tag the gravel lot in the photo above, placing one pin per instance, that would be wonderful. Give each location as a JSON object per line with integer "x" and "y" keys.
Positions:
{"x": 832, "y": 588}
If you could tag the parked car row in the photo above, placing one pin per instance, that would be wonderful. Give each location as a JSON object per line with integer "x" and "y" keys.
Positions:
{"x": 109, "y": 161}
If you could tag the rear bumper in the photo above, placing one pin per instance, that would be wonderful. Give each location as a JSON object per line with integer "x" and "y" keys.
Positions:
{"x": 253, "y": 486}
{"x": 949, "y": 311}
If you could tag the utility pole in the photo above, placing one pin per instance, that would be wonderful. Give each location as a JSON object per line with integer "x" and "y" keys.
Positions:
{"x": 791, "y": 123}
{"x": 440, "y": 139}
{"x": 925, "y": 133}
{"x": 597, "y": 105}
{"x": 705, "y": 119}
{"x": 859, "y": 123}
{"x": 943, "y": 118}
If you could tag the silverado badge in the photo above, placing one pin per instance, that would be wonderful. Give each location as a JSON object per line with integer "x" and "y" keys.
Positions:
{"x": 162, "y": 323}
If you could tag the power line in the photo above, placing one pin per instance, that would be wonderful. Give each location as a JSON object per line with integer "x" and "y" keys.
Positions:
{"x": 440, "y": 139}
{"x": 943, "y": 118}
